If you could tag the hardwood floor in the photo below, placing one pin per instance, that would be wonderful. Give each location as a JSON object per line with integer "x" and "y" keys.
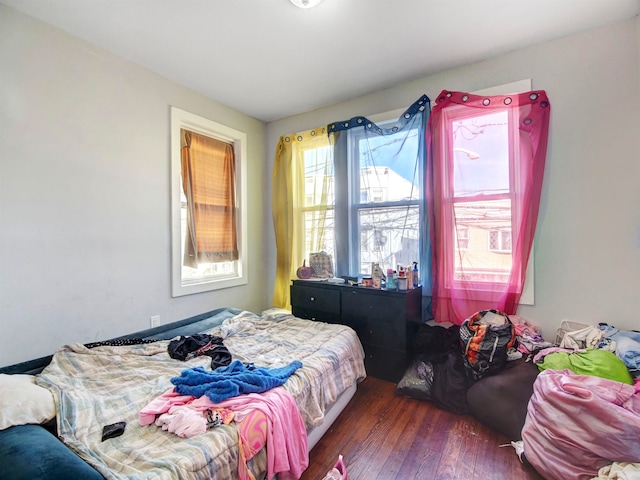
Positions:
{"x": 383, "y": 436}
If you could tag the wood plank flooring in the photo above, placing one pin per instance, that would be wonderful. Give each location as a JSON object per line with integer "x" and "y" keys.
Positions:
{"x": 386, "y": 437}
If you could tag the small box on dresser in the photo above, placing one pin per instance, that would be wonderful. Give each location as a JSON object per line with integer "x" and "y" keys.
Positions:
{"x": 385, "y": 321}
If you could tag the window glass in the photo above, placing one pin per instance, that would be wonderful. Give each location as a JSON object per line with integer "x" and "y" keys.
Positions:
{"x": 319, "y": 200}
{"x": 389, "y": 236}
{"x": 481, "y": 154}
{"x": 208, "y": 228}
{"x": 388, "y": 167}
{"x": 387, "y": 215}
{"x": 482, "y": 190}
{"x": 515, "y": 87}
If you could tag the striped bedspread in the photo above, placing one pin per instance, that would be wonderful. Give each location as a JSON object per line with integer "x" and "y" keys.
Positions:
{"x": 108, "y": 384}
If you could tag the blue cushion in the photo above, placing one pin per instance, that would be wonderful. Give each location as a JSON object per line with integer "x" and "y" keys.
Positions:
{"x": 29, "y": 452}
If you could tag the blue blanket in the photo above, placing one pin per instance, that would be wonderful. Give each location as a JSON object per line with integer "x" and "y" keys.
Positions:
{"x": 232, "y": 380}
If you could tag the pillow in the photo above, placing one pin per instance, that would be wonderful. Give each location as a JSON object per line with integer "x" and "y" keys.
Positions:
{"x": 23, "y": 402}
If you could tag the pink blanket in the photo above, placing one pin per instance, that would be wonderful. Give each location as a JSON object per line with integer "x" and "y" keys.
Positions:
{"x": 286, "y": 435}
{"x": 577, "y": 424}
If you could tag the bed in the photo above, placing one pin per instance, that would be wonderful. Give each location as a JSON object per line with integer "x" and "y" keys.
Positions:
{"x": 110, "y": 383}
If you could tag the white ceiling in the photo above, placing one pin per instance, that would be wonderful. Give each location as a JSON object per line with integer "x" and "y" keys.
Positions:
{"x": 269, "y": 59}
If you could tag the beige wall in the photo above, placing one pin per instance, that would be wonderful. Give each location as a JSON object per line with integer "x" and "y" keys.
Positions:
{"x": 85, "y": 193}
{"x": 587, "y": 258}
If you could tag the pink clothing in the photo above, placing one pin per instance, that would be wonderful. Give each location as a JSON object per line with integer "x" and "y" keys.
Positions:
{"x": 161, "y": 405}
{"x": 286, "y": 435}
{"x": 543, "y": 353}
{"x": 183, "y": 421}
{"x": 187, "y": 422}
{"x": 577, "y": 424}
{"x": 252, "y": 433}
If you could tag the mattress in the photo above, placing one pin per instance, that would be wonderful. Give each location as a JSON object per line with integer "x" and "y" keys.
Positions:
{"x": 94, "y": 387}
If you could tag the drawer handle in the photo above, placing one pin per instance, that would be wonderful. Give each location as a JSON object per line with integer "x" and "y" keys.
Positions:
{"x": 313, "y": 299}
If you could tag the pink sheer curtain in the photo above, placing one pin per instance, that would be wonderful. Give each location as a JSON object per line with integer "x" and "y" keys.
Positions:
{"x": 484, "y": 179}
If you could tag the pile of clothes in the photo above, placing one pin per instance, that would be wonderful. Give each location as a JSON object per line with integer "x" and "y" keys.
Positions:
{"x": 583, "y": 418}
{"x": 572, "y": 407}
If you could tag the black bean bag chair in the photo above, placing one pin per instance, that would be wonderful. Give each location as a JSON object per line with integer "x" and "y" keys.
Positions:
{"x": 500, "y": 400}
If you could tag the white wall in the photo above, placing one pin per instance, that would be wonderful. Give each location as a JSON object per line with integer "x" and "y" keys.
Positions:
{"x": 85, "y": 194}
{"x": 587, "y": 258}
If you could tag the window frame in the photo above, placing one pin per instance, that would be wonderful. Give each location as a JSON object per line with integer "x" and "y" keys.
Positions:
{"x": 349, "y": 200}
{"x": 181, "y": 119}
{"x": 528, "y": 293}
{"x": 356, "y": 205}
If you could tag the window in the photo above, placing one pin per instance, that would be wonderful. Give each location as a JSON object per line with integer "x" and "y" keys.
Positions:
{"x": 387, "y": 213}
{"x": 481, "y": 193}
{"x": 379, "y": 171}
{"x": 487, "y": 157}
{"x": 462, "y": 238}
{"x": 208, "y": 200}
{"x": 318, "y": 206}
{"x": 500, "y": 241}
{"x": 353, "y": 194}
{"x": 384, "y": 214}
{"x": 494, "y": 266}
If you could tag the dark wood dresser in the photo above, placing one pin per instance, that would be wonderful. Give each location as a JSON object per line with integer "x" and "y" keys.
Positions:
{"x": 385, "y": 321}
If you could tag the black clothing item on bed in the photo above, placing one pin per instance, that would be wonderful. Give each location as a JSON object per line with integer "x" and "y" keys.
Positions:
{"x": 220, "y": 356}
{"x": 186, "y": 348}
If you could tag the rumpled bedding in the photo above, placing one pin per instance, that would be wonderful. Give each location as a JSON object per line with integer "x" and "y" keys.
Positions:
{"x": 108, "y": 384}
{"x": 577, "y": 424}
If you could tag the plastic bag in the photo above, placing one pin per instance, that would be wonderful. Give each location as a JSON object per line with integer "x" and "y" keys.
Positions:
{"x": 417, "y": 380}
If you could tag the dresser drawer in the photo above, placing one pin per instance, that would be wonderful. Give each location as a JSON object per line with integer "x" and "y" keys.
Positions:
{"x": 365, "y": 304}
{"x": 389, "y": 365}
{"x": 316, "y": 315}
{"x": 316, "y": 299}
{"x": 385, "y": 321}
{"x": 390, "y": 334}
{"x": 378, "y": 319}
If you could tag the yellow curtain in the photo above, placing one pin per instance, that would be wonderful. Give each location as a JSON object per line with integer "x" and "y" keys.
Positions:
{"x": 208, "y": 181}
{"x": 288, "y": 202}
